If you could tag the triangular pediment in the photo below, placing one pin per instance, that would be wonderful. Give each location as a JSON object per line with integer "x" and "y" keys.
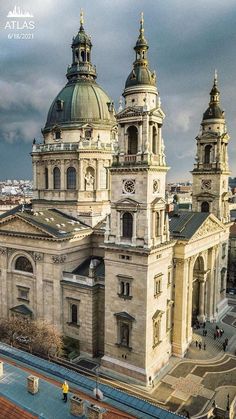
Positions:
{"x": 15, "y": 225}
{"x": 158, "y": 201}
{"x": 127, "y": 203}
{"x": 130, "y": 111}
{"x": 209, "y": 226}
{"x": 158, "y": 112}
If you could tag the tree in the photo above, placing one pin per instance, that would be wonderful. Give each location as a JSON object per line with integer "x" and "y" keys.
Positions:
{"x": 40, "y": 336}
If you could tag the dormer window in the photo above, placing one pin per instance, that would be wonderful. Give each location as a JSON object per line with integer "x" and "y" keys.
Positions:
{"x": 60, "y": 105}
{"x": 88, "y": 134}
{"x": 57, "y": 134}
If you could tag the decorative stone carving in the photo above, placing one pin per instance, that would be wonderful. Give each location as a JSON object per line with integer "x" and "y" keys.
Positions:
{"x": 3, "y": 250}
{"x": 37, "y": 256}
{"x": 58, "y": 258}
{"x": 208, "y": 227}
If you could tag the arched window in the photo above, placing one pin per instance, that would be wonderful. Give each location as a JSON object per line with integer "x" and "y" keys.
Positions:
{"x": 157, "y": 224}
{"x": 74, "y": 313}
{"x": 56, "y": 178}
{"x": 71, "y": 178}
{"x": 132, "y": 140}
{"x": 154, "y": 140}
{"x": 23, "y": 264}
{"x": 127, "y": 225}
{"x": 207, "y": 156}
{"x": 46, "y": 177}
{"x": 205, "y": 207}
{"x": 58, "y": 134}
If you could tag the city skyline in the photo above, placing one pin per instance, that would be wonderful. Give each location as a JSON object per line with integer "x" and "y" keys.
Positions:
{"x": 32, "y": 71}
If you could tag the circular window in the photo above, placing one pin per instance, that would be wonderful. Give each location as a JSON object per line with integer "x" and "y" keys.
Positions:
{"x": 155, "y": 186}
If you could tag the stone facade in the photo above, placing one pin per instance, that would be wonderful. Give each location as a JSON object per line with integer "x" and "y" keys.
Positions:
{"x": 95, "y": 254}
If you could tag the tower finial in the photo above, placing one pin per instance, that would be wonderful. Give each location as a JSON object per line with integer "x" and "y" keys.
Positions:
{"x": 81, "y": 19}
{"x": 215, "y": 77}
{"x": 141, "y": 25}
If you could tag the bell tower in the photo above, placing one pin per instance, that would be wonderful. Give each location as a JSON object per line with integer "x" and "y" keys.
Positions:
{"x": 138, "y": 251}
{"x": 211, "y": 170}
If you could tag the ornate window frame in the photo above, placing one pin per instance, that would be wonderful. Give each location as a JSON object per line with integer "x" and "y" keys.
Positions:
{"x": 125, "y": 287}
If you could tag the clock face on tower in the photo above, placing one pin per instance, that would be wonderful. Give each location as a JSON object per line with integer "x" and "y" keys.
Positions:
{"x": 206, "y": 184}
{"x": 129, "y": 186}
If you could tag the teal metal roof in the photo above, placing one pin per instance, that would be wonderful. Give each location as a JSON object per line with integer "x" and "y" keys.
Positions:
{"x": 83, "y": 102}
{"x": 183, "y": 225}
{"x": 141, "y": 75}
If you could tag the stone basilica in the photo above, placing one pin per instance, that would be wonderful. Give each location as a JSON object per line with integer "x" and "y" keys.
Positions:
{"x": 96, "y": 254}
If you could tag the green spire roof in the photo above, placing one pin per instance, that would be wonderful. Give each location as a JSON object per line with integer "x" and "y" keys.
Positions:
{"x": 141, "y": 74}
{"x": 214, "y": 111}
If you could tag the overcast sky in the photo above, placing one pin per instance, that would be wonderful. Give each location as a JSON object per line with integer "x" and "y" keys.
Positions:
{"x": 187, "y": 39}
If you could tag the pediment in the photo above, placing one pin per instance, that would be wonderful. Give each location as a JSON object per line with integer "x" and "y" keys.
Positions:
{"x": 158, "y": 201}
{"x": 209, "y": 226}
{"x": 205, "y": 195}
{"x": 158, "y": 112}
{"x": 127, "y": 203}
{"x": 16, "y": 225}
{"x": 131, "y": 111}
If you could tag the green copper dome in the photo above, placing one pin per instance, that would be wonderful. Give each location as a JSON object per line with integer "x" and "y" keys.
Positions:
{"x": 81, "y": 102}
{"x": 141, "y": 75}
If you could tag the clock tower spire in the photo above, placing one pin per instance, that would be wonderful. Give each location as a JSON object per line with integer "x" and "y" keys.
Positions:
{"x": 211, "y": 170}
{"x": 138, "y": 250}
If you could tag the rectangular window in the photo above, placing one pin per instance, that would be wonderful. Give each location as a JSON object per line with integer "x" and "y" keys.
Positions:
{"x": 158, "y": 285}
{"x": 23, "y": 293}
{"x": 124, "y": 287}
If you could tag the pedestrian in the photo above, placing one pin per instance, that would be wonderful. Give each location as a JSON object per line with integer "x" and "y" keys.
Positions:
{"x": 214, "y": 335}
{"x": 196, "y": 343}
{"x": 204, "y": 346}
{"x": 200, "y": 346}
{"x": 226, "y": 341}
{"x": 221, "y": 332}
{"x": 217, "y": 332}
{"x": 204, "y": 325}
{"x": 65, "y": 389}
{"x": 224, "y": 346}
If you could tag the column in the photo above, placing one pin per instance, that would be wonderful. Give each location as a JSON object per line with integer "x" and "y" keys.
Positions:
{"x": 201, "y": 316}
{"x": 189, "y": 300}
{"x": 146, "y": 134}
{"x": 63, "y": 178}
{"x": 121, "y": 135}
{"x": 118, "y": 223}
{"x": 140, "y": 137}
{"x": 150, "y": 137}
{"x": 50, "y": 176}
{"x": 181, "y": 272}
{"x": 162, "y": 224}
{"x": 134, "y": 228}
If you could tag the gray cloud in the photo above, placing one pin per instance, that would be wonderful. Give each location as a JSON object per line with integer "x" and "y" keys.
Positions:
{"x": 188, "y": 40}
